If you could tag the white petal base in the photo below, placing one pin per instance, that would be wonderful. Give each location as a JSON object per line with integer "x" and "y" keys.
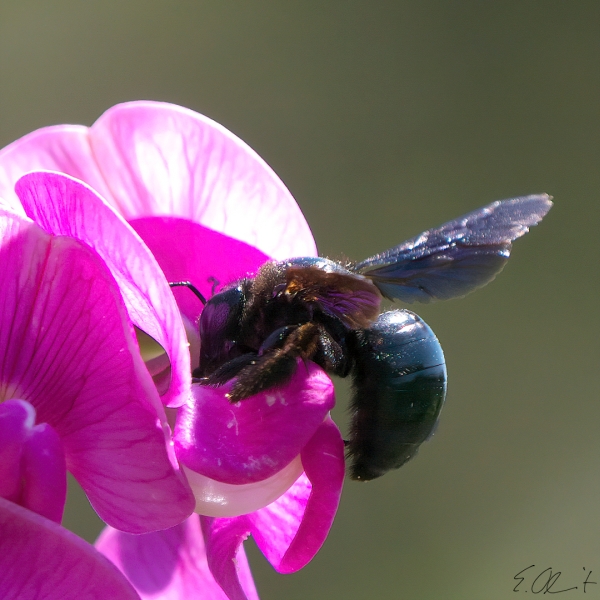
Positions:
{"x": 217, "y": 499}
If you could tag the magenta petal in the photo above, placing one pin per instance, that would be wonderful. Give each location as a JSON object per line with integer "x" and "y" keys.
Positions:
{"x": 63, "y": 148}
{"x": 224, "y": 539}
{"x": 171, "y": 564}
{"x": 187, "y": 251}
{"x": 161, "y": 159}
{"x": 64, "y": 206}
{"x": 40, "y": 559}
{"x": 44, "y": 473}
{"x": 291, "y": 530}
{"x": 33, "y": 471}
{"x": 67, "y": 348}
{"x": 254, "y": 439}
{"x": 17, "y": 418}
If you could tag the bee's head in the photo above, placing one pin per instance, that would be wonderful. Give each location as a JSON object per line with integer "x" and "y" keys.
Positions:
{"x": 219, "y": 323}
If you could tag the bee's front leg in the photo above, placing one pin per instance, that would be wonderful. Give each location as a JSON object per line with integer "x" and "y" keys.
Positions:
{"x": 276, "y": 365}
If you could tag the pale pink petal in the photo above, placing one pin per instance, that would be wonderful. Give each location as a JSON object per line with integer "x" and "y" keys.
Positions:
{"x": 152, "y": 158}
{"x": 291, "y": 530}
{"x": 67, "y": 347}
{"x": 64, "y": 206}
{"x": 187, "y": 251}
{"x": 252, "y": 440}
{"x": 161, "y": 159}
{"x": 64, "y": 148}
{"x": 40, "y": 559}
{"x": 171, "y": 564}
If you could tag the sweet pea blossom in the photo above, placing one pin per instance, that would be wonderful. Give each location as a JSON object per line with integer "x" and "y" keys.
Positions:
{"x": 154, "y": 185}
{"x": 68, "y": 352}
{"x": 74, "y": 395}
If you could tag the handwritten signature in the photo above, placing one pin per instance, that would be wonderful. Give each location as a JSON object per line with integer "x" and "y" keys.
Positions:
{"x": 546, "y": 581}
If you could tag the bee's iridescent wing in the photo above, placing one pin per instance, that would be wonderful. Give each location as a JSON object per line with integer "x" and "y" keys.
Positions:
{"x": 456, "y": 258}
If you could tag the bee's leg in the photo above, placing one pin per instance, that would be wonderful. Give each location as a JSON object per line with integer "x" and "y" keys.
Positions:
{"x": 277, "y": 365}
{"x": 276, "y": 339}
{"x": 332, "y": 354}
{"x": 229, "y": 370}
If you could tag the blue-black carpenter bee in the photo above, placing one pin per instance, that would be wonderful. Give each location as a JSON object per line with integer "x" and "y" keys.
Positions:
{"x": 315, "y": 309}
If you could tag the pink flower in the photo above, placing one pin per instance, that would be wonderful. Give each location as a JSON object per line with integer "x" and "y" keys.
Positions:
{"x": 71, "y": 378}
{"x": 67, "y": 351}
{"x": 211, "y": 211}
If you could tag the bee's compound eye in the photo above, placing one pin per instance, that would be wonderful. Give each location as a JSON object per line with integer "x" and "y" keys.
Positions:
{"x": 218, "y": 325}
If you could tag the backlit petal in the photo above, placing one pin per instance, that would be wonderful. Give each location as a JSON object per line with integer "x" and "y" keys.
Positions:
{"x": 63, "y": 148}
{"x": 162, "y": 159}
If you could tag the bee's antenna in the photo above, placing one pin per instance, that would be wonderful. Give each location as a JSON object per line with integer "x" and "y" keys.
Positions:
{"x": 191, "y": 287}
{"x": 215, "y": 282}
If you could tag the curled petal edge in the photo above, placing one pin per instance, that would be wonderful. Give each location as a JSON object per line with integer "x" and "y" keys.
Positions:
{"x": 291, "y": 530}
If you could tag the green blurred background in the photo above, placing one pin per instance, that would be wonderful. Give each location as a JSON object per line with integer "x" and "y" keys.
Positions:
{"x": 386, "y": 118}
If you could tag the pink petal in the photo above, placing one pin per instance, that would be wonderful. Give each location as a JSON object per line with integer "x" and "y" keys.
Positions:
{"x": 187, "y": 251}
{"x": 224, "y": 539}
{"x": 64, "y": 148}
{"x": 171, "y": 564}
{"x": 252, "y": 440}
{"x": 17, "y": 418}
{"x": 161, "y": 159}
{"x": 44, "y": 473}
{"x": 40, "y": 559}
{"x": 152, "y": 158}
{"x": 33, "y": 472}
{"x": 291, "y": 530}
{"x": 67, "y": 347}
{"x": 64, "y": 206}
